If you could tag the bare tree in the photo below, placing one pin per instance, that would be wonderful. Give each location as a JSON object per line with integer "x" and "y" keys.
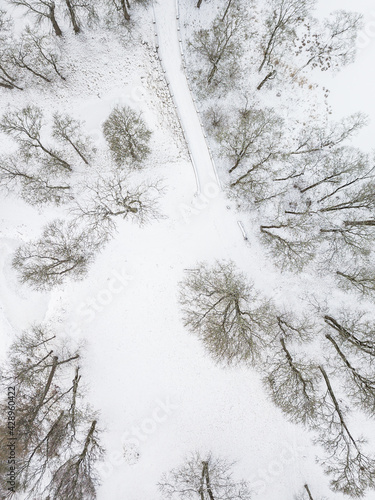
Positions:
{"x": 220, "y": 46}
{"x": 283, "y": 18}
{"x": 37, "y": 55}
{"x": 33, "y": 186}
{"x": 127, "y": 136}
{"x": 115, "y": 197}
{"x": 68, "y": 131}
{"x": 76, "y": 478}
{"x": 334, "y": 45}
{"x": 358, "y": 278}
{"x": 8, "y": 74}
{"x": 292, "y": 381}
{"x": 207, "y": 478}
{"x": 121, "y": 8}
{"x": 80, "y": 13}
{"x": 357, "y": 332}
{"x": 353, "y": 471}
{"x": 250, "y": 141}
{"x": 292, "y": 243}
{"x": 315, "y": 138}
{"x": 359, "y": 378}
{"x": 222, "y": 308}
{"x": 42, "y": 10}
{"x": 306, "y": 494}
{"x": 63, "y": 251}
{"x": 326, "y": 174}
{"x": 25, "y": 127}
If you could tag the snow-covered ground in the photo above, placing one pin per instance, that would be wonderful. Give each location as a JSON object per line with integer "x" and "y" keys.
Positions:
{"x": 158, "y": 392}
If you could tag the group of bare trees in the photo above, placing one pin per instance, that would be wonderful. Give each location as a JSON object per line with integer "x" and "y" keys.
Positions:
{"x": 28, "y": 58}
{"x": 35, "y": 55}
{"x": 316, "y": 189}
{"x": 58, "y": 436}
{"x": 237, "y": 325}
{"x": 39, "y": 171}
{"x": 323, "y": 205}
{"x": 287, "y": 41}
{"x": 81, "y": 14}
{"x": 54, "y": 171}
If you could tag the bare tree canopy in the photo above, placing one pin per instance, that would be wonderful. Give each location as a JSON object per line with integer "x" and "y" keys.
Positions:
{"x": 25, "y": 127}
{"x": 64, "y": 250}
{"x": 280, "y": 26}
{"x": 222, "y": 308}
{"x": 41, "y": 10}
{"x": 55, "y": 426}
{"x": 117, "y": 196}
{"x": 204, "y": 478}
{"x": 127, "y": 136}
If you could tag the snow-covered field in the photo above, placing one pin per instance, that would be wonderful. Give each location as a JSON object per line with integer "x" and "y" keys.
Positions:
{"x": 159, "y": 393}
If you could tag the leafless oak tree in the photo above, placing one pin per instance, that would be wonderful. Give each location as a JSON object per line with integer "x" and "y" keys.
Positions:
{"x": 222, "y": 308}
{"x": 37, "y": 55}
{"x": 334, "y": 44}
{"x": 51, "y": 414}
{"x": 291, "y": 380}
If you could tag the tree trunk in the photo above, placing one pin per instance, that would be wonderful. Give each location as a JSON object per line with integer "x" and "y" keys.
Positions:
{"x": 46, "y": 389}
{"x": 22, "y": 65}
{"x": 308, "y": 492}
{"x": 52, "y": 18}
{"x": 125, "y": 10}
{"x": 268, "y": 48}
{"x": 337, "y": 406}
{"x": 270, "y": 76}
{"x": 87, "y": 442}
{"x": 73, "y": 17}
{"x": 208, "y": 482}
{"x": 199, "y": 3}
{"x": 226, "y": 10}
{"x": 77, "y": 150}
{"x": 360, "y": 222}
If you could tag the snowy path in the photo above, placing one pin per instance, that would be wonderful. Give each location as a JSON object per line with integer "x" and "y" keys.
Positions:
{"x": 170, "y": 54}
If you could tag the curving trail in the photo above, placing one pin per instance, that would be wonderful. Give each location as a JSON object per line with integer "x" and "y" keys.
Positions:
{"x": 169, "y": 51}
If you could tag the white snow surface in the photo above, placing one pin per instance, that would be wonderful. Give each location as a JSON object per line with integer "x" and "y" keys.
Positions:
{"x": 158, "y": 392}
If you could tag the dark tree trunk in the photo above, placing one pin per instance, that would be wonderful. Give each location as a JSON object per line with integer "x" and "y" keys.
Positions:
{"x": 52, "y": 17}
{"x": 199, "y": 3}
{"x": 73, "y": 17}
{"x": 125, "y": 10}
{"x": 270, "y": 76}
{"x": 308, "y": 492}
{"x": 208, "y": 482}
{"x": 360, "y": 222}
{"x": 227, "y": 10}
